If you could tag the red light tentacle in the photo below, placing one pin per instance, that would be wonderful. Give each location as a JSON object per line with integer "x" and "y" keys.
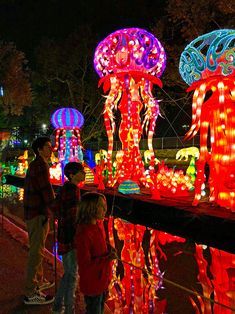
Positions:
{"x": 221, "y": 95}
{"x": 57, "y": 140}
{"x": 204, "y": 135}
{"x": 78, "y": 137}
{"x": 198, "y": 99}
{"x": 152, "y": 125}
{"x": 110, "y": 146}
{"x": 111, "y": 102}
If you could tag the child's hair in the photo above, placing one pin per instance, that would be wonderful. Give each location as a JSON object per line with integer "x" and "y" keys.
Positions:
{"x": 72, "y": 168}
{"x": 88, "y": 207}
{"x": 38, "y": 143}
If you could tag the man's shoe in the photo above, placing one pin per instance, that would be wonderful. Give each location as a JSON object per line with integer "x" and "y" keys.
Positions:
{"x": 45, "y": 285}
{"x": 38, "y": 299}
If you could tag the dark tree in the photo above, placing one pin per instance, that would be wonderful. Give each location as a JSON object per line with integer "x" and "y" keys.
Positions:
{"x": 65, "y": 77}
{"x": 14, "y": 80}
{"x": 180, "y": 23}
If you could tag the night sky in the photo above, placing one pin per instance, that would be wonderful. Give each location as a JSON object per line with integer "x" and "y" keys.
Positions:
{"x": 27, "y": 22}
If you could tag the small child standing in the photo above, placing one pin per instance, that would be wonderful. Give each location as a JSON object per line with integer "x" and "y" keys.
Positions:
{"x": 93, "y": 256}
{"x": 66, "y": 211}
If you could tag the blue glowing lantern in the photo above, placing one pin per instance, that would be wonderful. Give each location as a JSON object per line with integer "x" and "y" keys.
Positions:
{"x": 209, "y": 55}
{"x": 129, "y": 187}
{"x": 207, "y": 64}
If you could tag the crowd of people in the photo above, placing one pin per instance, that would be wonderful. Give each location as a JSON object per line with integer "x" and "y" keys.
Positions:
{"x": 86, "y": 256}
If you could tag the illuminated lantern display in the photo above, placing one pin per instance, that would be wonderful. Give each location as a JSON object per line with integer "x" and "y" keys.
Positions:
{"x": 184, "y": 153}
{"x": 128, "y": 187}
{"x": 129, "y": 61}
{"x": 101, "y": 156}
{"x": 90, "y": 158}
{"x": 147, "y": 157}
{"x": 172, "y": 182}
{"x": 191, "y": 170}
{"x": 208, "y": 65}
{"x": 23, "y": 164}
{"x": 67, "y": 122}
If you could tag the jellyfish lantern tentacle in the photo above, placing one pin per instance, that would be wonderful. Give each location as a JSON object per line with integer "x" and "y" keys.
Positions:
{"x": 208, "y": 65}
{"x": 150, "y": 115}
{"x": 129, "y": 62}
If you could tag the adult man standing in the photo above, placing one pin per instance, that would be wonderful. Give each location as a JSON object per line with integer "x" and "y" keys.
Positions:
{"x": 38, "y": 195}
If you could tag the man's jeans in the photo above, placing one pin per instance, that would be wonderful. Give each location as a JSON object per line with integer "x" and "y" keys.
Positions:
{"x": 95, "y": 304}
{"x": 65, "y": 294}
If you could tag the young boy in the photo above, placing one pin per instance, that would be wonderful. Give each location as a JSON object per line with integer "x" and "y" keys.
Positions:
{"x": 66, "y": 210}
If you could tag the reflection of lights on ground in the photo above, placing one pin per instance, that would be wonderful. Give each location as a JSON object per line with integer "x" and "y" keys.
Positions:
{"x": 55, "y": 251}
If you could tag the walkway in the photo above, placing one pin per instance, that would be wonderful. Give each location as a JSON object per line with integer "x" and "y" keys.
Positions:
{"x": 13, "y": 259}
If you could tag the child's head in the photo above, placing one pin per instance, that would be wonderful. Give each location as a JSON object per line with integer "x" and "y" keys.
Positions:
{"x": 74, "y": 171}
{"x": 93, "y": 206}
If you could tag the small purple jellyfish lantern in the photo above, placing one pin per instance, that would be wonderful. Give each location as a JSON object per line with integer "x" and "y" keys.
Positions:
{"x": 129, "y": 61}
{"x": 67, "y": 122}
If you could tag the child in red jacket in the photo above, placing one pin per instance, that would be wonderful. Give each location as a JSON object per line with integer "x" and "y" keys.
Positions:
{"x": 93, "y": 256}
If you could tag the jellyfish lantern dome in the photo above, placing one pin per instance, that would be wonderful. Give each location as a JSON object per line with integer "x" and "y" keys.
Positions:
{"x": 208, "y": 65}
{"x": 129, "y": 61}
{"x": 67, "y": 122}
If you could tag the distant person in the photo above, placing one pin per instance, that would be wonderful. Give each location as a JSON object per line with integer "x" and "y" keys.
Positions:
{"x": 66, "y": 210}
{"x": 38, "y": 195}
{"x": 93, "y": 256}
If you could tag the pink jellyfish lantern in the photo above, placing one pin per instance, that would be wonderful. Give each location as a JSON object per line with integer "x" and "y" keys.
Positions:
{"x": 67, "y": 122}
{"x": 129, "y": 61}
{"x": 208, "y": 65}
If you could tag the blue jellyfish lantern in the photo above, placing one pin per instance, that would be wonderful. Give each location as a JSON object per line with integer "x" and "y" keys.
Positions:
{"x": 208, "y": 65}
